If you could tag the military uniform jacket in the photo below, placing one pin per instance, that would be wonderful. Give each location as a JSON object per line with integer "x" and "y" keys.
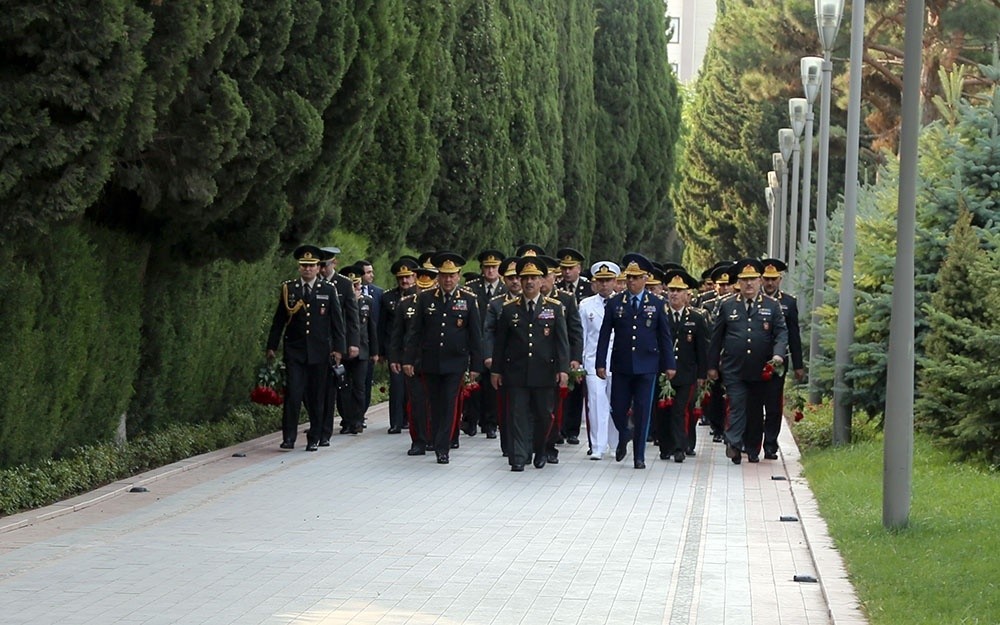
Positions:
{"x": 478, "y": 287}
{"x": 311, "y": 327}
{"x": 368, "y": 337}
{"x": 406, "y": 310}
{"x": 742, "y": 342}
{"x": 643, "y": 343}
{"x": 531, "y": 352}
{"x": 580, "y": 291}
{"x": 790, "y": 306}
{"x": 445, "y": 337}
{"x": 387, "y": 318}
{"x": 349, "y": 308}
{"x": 490, "y": 321}
{"x": 573, "y": 326}
{"x": 691, "y": 338}
{"x": 591, "y": 318}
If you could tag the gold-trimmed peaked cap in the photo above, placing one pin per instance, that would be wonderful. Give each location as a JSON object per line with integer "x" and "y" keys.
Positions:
{"x": 680, "y": 279}
{"x": 448, "y": 262}
{"x": 529, "y": 249}
{"x": 602, "y": 270}
{"x": 490, "y": 258}
{"x": 508, "y": 266}
{"x": 724, "y": 273}
{"x": 773, "y": 268}
{"x": 568, "y": 257}
{"x": 531, "y": 266}
{"x": 403, "y": 267}
{"x": 749, "y": 268}
{"x": 307, "y": 254}
{"x": 636, "y": 264}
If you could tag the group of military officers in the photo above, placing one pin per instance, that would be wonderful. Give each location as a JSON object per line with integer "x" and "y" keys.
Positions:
{"x": 530, "y": 349}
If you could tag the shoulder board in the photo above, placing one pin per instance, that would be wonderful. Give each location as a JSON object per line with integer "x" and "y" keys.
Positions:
{"x": 786, "y": 295}
{"x": 467, "y": 291}
{"x": 698, "y": 311}
{"x": 411, "y": 297}
{"x": 728, "y": 296}
{"x": 550, "y": 300}
{"x": 288, "y": 281}
{"x": 496, "y": 297}
{"x": 512, "y": 300}
{"x": 473, "y": 281}
{"x": 765, "y": 296}
{"x": 584, "y": 280}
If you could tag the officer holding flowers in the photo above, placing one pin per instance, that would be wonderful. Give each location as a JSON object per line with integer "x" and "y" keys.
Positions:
{"x": 749, "y": 334}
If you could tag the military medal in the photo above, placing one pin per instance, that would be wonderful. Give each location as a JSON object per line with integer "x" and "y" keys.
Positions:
{"x": 649, "y": 323}
{"x": 546, "y": 330}
{"x": 459, "y": 322}
{"x": 767, "y": 326}
{"x": 690, "y": 338}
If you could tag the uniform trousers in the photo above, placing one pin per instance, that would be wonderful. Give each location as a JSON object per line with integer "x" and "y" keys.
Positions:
{"x": 573, "y": 412}
{"x": 635, "y": 391}
{"x": 774, "y": 406}
{"x": 417, "y": 411}
{"x": 442, "y": 397}
{"x": 529, "y": 418}
{"x": 351, "y": 398}
{"x": 717, "y": 408}
{"x": 746, "y": 412}
{"x": 502, "y": 420}
{"x": 672, "y": 428}
{"x": 599, "y": 431}
{"x": 306, "y": 383}
{"x": 397, "y": 400}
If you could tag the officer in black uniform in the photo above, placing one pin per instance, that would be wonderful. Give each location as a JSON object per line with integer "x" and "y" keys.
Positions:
{"x": 308, "y": 321}
{"x": 749, "y": 331}
{"x": 566, "y": 401}
{"x": 349, "y": 312}
{"x": 530, "y": 359}
{"x": 579, "y": 287}
{"x": 771, "y": 279}
{"x": 351, "y": 401}
{"x": 443, "y": 343}
{"x": 480, "y": 409}
{"x": 402, "y": 269}
{"x": 508, "y": 269}
{"x": 723, "y": 277}
{"x": 689, "y": 328}
{"x": 572, "y": 281}
{"x": 417, "y": 409}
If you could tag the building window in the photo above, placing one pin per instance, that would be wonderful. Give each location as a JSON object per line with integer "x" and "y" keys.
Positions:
{"x": 674, "y": 30}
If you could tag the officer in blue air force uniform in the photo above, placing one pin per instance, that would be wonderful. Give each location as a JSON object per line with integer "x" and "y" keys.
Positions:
{"x": 309, "y": 322}
{"x": 643, "y": 348}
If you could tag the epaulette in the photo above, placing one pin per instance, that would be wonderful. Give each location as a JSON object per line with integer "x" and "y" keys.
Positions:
{"x": 701, "y": 312}
{"x": 727, "y": 296}
{"x": 411, "y": 296}
{"x": 585, "y": 279}
{"x": 512, "y": 300}
{"x": 788, "y": 295}
{"x": 468, "y": 291}
{"x": 496, "y": 297}
{"x": 771, "y": 297}
{"x": 552, "y": 300}
{"x": 474, "y": 281}
{"x": 288, "y": 282}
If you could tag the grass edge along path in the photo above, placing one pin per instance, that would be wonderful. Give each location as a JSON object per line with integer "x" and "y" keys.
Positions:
{"x": 943, "y": 568}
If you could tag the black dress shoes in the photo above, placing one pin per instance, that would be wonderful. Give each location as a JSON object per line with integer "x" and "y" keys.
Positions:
{"x": 753, "y": 458}
{"x": 287, "y": 445}
{"x": 770, "y": 455}
{"x": 690, "y": 452}
{"x": 539, "y": 461}
{"x": 345, "y": 429}
{"x": 517, "y": 467}
{"x": 442, "y": 458}
{"x": 552, "y": 458}
{"x": 454, "y": 444}
{"x": 664, "y": 455}
{"x": 716, "y": 438}
{"x": 679, "y": 456}
{"x": 325, "y": 442}
{"x": 416, "y": 450}
{"x": 621, "y": 450}
{"x": 312, "y": 446}
{"x": 491, "y": 433}
{"x": 394, "y": 431}
{"x": 573, "y": 440}
{"x": 639, "y": 464}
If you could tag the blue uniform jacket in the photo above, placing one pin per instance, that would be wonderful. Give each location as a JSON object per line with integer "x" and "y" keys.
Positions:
{"x": 643, "y": 342}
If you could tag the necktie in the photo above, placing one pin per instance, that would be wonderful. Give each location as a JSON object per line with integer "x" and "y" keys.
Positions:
{"x": 308, "y": 292}
{"x": 531, "y": 309}
{"x": 635, "y": 303}
{"x": 677, "y": 317}
{"x": 748, "y": 308}
{"x": 489, "y": 291}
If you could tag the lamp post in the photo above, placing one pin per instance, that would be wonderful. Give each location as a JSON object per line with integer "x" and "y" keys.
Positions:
{"x": 811, "y": 68}
{"x": 772, "y": 214}
{"x": 828, "y": 14}
{"x": 787, "y": 144}
{"x": 778, "y": 165}
{"x": 845, "y": 309}
{"x": 797, "y": 115}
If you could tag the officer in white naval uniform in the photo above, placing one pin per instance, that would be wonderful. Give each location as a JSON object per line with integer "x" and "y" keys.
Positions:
{"x": 599, "y": 429}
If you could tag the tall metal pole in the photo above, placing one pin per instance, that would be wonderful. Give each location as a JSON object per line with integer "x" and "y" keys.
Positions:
{"x": 828, "y": 20}
{"x": 786, "y": 139}
{"x": 897, "y": 471}
{"x": 811, "y": 67}
{"x": 845, "y": 311}
{"x": 781, "y": 170}
{"x": 797, "y": 115}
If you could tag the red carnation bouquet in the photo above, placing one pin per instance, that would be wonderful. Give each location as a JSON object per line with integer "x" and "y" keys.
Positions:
{"x": 772, "y": 368}
{"x": 705, "y": 394}
{"x": 797, "y": 402}
{"x": 270, "y": 388}
{"x": 666, "y": 392}
{"x": 469, "y": 386}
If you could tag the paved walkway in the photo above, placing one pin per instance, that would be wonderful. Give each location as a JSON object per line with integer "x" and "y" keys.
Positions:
{"x": 360, "y": 533}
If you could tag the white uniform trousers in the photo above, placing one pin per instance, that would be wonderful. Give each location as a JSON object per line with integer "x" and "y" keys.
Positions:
{"x": 600, "y": 430}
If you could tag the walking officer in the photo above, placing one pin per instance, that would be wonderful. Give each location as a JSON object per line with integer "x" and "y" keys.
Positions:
{"x": 308, "y": 321}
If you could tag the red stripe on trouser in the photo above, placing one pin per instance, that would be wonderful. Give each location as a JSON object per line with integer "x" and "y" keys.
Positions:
{"x": 456, "y": 417}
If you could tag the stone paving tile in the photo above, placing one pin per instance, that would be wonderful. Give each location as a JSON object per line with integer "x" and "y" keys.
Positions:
{"x": 360, "y": 533}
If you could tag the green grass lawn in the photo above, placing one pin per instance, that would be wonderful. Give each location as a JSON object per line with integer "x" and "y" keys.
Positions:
{"x": 944, "y": 568}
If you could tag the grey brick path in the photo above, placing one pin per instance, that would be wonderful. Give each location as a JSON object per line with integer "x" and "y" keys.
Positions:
{"x": 360, "y": 533}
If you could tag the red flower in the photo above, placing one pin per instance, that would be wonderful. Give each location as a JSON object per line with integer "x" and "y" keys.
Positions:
{"x": 798, "y": 416}
{"x": 706, "y": 399}
{"x": 563, "y": 392}
{"x": 381, "y": 389}
{"x": 267, "y": 396}
{"x": 666, "y": 402}
{"x": 696, "y": 412}
{"x": 767, "y": 373}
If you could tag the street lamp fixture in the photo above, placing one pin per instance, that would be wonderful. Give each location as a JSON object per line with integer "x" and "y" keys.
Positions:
{"x": 828, "y": 14}
{"x": 786, "y": 143}
{"x": 771, "y": 216}
{"x": 811, "y": 68}
{"x": 797, "y": 112}
{"x": 775, "y": 186}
